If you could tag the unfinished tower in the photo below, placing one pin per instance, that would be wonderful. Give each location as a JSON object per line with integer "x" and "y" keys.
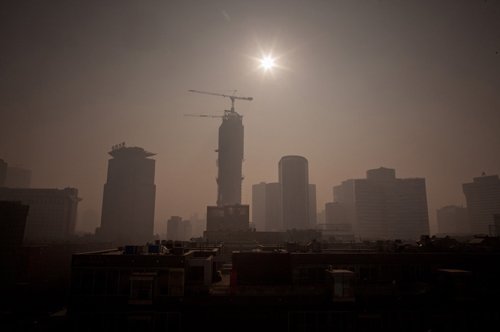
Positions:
{"x": 230, "y": 151}
{"x": 230, "y": 159}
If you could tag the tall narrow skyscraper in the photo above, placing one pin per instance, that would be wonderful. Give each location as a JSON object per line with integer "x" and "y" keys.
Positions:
{"x": 294, "y": 182}
{"x": 128, "y": 203}
{"x": 230, "y": 159}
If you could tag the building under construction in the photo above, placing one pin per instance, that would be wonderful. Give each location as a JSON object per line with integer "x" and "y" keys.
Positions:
{"x": 230, "y": 152}
{"x": 230, "y": 159}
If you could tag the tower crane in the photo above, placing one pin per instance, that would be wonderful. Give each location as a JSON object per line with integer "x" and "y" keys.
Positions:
{"x": 231, "y": 97}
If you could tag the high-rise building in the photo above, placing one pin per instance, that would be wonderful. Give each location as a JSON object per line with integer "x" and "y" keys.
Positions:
{"x": 453, "y": 219}
{"x": 383, "y": 206}
{"x": 18, "y": 177}
{"x": 230, "y": 159}
{"x": 128, "y": 203}
{"x": 483, "y": 201}
{"x": 312, "y": 206}
{"x": 273, "y": 207}
{"x": 266, "y": 207}
{"x": 3, "y": 172}
{"x": 52, "y": 212}
{"x": 259, "y": 206}
{"x": 294, "y": 181}
{"x": 12, "y": 223}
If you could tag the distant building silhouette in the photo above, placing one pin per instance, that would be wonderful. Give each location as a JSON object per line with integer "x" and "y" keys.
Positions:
{"x": 3, "y": 172}
{"x": 198, "y": 225}
{"x": 128, "y": 203}
{"x": 453, "y": 220}
{"x": 259, "y": 206}
{"x": 52, "y": 212}
{"x": 12, "y": 223}
{"x": 273, "y": 207}
{"x": 230, "y": 159}
{"x": 335, "y": 213}
{"x": 294, "y": 181}
{"x": 312, "y": 206}
{"x": 384, "y": 207}
{"x": 178, "y": 229}
{"x": 18, "y": 177}
{"x": 227, "y": 218}
{"x": 174, "y": 229}
{"x": 495, "y": 230}
{"x": 483, "y": 201}
{"x": 266, "y": 207}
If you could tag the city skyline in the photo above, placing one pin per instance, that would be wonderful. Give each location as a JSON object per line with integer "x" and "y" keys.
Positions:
{"x": 360, "y": 86}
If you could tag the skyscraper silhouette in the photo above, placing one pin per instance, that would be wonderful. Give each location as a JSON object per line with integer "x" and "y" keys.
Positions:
{"x": 294, "y": 181}
{"x": 230, "y": 159}
{"x": 266, "y": 207}
{"x": 383, "y": 206}
{"x": 52, "y": 212}
{"x": 483, "y": 202}
{"x": 128, "y": 203}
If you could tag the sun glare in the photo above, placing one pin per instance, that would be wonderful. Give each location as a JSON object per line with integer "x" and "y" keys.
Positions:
{"x": 267, "y": 62}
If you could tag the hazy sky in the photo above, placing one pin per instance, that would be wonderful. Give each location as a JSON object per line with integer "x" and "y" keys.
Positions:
{"x": 412, "y": 85}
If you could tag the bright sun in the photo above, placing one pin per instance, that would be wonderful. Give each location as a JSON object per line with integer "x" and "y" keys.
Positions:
{"x": 267, "y": 62}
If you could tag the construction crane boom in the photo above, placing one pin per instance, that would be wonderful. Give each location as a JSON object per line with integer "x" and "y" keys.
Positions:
{"x": 232, "y": 97}
{"x": 205, "y": 115}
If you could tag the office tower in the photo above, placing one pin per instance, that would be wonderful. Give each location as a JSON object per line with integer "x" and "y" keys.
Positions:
{"x": 230, "y": 159}
{"x": 273, "y": 207}
{"x": 18, "y": 177}
{"x": 52, "y": 212}
{"x": 483, "y": 201}
{"x": 312, "y": 206}
{"x": 128, "y": 203}
{"x": 228, "y": 218}
{"x": 12, "y": 223}
{"x": 259, "y": 206}
{"x": 383, "y": 206}
{"x": 3, "y": 172}
{"x": 294, "y": 181}
{"x": 453, "y": 219}
{"x": 266, "y": 207}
